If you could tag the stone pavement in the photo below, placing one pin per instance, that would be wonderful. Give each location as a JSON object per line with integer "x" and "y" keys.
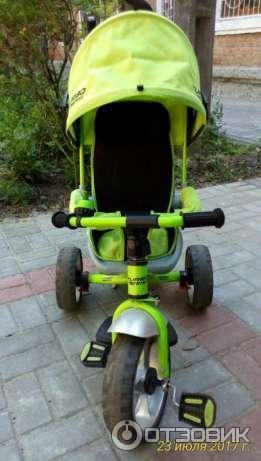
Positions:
{"x": 50, "y": 405}
{"x": 241, "y": 109}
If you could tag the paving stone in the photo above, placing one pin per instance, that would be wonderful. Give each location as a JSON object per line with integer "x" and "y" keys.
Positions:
{"x": 62, "y": 389}
{"x": 9, "y": 451}
{"x": 20, "y": 228}
{"x": 184, "y": 358}
{"x": 244, "y": 368}
{"x": 233, "y": 259}
{"x": 27, "y": 313}
{"x": 39, "y": 262}
{"x": 8, "y": 267}
{"x": 224, "y": 276}
{"x": 29, "y": 339}
{"x": 92, "y": 318}
{"x": 233, "y": 290}
{"x": 71, "y": 335}
{"x": 12, "y": 281}
{"x": 6, "y": 432}
{"x": 37, "y": 254}
{"x": 26, "y": 401}
{"x": 48, "y": 298}
{"x": 80, "y": 370}
{"x": 214, "y": 316}
{"x": 253, "y": 348}
{"x": 12, "y": 294}
{"x": 49, "y": 442}
{"x": 93, "y": 387}
{"x": 224, "y": 249}
{"x": 2, "y": 400}
{"x": 19, "y": 245}
{"x": 232, "y": 400}
{"x": 30, "y": 360}
{"x": 201, "y": 376}
{"x": 4, "y": 251}
{"x": 232, "y": 334}
{"x": 40, "y": 280}
{"x": 250, "y": 419}
{"x": 94, "y": 452}
{"x": 38, "y": 241}
{"x": 245, "y": 271}
{"x": 249, "y": 310}
{"x": 7, "y": 323}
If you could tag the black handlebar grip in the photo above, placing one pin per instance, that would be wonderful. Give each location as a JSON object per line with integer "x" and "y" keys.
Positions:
{"x": 61, "y": 219}
{"x": 205, "y": 218}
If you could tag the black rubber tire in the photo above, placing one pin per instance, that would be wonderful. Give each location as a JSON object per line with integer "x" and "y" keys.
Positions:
{"x": 198, "y": 265}
{"x": 68, "y": 268}
{"x": 119, "y": 379}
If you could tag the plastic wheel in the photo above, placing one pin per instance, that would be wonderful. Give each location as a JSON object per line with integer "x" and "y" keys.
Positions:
{"x": 129, "y": 391}
{"x": 198, "y": 266}
{"x": 68, "y": 269}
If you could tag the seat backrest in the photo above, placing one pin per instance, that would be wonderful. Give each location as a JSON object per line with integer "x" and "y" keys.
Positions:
{"x": 132, "y": 164}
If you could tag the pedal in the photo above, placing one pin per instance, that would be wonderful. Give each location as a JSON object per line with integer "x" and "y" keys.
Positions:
{"x": 197, "y": 409}
{"x": 95, "y": 355}
{"x": 173, "y": 337}
{"x": 102, "y": 335}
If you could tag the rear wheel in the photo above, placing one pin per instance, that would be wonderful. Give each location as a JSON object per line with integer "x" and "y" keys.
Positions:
{"x": 68, "y": 270}
{"x": 130, "y": 389}
{"x": 198, "y": 266}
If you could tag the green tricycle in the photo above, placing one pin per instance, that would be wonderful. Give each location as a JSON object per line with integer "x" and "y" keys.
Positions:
{"x": 135, "y": 104}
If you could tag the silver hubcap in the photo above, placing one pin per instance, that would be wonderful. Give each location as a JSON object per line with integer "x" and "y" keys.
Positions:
{"x": 146, "y": 408}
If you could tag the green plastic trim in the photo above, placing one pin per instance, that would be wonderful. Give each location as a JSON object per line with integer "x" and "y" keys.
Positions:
{"x": 190, "y": 200}
{"x": 138, "y": 281}
{"x": 161, "y": 324}
{"x": 122, "y": 279}
{"x": 100, "y": 222}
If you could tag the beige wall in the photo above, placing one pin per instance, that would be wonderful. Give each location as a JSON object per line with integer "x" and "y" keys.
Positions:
{"x": 238, "y": 50}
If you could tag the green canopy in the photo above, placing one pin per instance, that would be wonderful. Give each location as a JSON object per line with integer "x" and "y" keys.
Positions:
{"x": 137, "y": 55}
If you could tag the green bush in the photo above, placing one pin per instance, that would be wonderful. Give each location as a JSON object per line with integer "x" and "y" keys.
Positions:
{"x": 13, "y": 192}
{"x": 28, "y": 134}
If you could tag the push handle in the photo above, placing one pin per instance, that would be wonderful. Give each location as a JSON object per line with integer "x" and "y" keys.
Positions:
{"x": 214, "y": 218}
{"x": 166, "y": 220}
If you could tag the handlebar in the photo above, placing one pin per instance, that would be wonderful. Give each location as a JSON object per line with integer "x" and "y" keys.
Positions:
{"x": 214, "y": 218}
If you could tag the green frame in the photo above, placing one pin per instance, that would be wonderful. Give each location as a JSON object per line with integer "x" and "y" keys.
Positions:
{"x": 138, "y": 279}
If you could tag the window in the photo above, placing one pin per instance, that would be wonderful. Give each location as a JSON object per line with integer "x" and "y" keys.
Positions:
{"x": 237, "y": 8}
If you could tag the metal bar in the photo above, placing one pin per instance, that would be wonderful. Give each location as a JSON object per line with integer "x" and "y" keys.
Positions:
{"x": 81, "y": 164}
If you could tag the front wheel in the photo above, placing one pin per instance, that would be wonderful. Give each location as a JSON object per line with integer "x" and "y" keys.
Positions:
{"x": 198, "y": 266}
{"x": 131, "y": 389}
{"x": 68, "y": 270}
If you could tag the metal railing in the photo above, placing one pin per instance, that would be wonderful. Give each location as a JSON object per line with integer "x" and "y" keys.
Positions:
{"x": 237, "y": 8}
{"x": 167, "y": 8}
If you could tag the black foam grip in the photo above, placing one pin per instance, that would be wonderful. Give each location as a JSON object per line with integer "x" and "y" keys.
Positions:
{"x": 61, "y": 219}
{"x": 214, "y": 218}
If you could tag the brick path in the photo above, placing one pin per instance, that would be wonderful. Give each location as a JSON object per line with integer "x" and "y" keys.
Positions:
{"x": 50, "y": 406}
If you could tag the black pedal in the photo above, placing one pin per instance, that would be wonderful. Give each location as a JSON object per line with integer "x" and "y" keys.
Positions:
{"x": 102, "y": 335}
{"x": 173, "y": 337}
{"x": 95, "y": 354}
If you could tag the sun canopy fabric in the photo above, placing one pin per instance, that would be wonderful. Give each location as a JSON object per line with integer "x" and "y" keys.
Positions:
{"x": 136, "y": 55}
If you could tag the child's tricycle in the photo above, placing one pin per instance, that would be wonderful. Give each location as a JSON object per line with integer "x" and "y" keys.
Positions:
{"x": 135, "y": 100}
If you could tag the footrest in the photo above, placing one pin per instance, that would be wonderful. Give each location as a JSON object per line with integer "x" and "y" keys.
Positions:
{"x": 94, "y": 355}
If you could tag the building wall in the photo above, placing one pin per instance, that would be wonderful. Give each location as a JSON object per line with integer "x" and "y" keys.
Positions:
{"x": 238, "y": 50}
